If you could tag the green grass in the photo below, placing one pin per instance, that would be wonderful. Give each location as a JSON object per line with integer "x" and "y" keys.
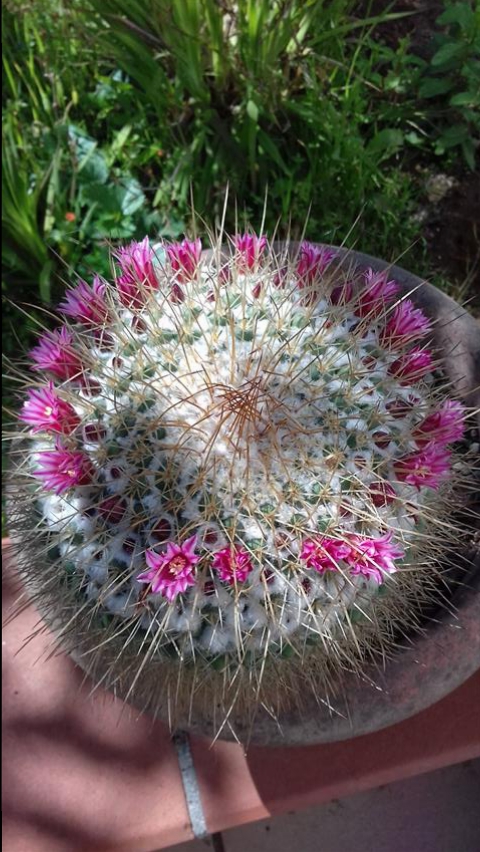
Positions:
{"x": 272, "y": 101}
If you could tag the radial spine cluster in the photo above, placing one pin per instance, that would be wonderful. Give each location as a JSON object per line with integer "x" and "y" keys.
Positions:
{"x": 232, "y": 454}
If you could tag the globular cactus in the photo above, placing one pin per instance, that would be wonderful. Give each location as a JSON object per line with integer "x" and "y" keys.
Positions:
{"x": 236, "y": 473}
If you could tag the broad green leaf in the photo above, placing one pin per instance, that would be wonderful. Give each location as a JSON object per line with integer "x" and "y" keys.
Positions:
{"x": 414, "y": 138}
{"x": 448, "y": 52}
{"x": 94, "y": 168}
{"x": 108, "y": 197}
{"x": 105, "y": 227}
{"x": 91, "y": 163}
{"x": 84, "y": 145}
{"x": 459, "y": 13}
{"x": 133, "y": 198}
{"x": 464, "y": 99}
{"x": 387, "y": 140}
{"x": 469, "y": 152}
{"x": 434, "y": 86}
{"x": 454, "y": 135}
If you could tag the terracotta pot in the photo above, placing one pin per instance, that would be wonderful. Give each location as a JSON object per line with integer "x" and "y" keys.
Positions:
{"x": 430, "y": 664}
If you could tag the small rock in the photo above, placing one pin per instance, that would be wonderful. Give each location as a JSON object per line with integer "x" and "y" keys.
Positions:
{"x": 437, "y": 187}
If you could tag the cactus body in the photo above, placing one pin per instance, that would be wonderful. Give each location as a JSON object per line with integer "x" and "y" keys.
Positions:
{"x": 234, "y": 467}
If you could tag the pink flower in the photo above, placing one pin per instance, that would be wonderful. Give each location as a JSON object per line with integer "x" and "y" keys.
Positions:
{"x": 87, "y": 304}
{"x": 171, "y": 572}
{"x": 184, "y": 258}
{"x": 377, "y": 293}
{"x": 61, "y": 469}
{"x": 405, "y": 324}
{"x": 248, "y": 247}
{"x": 312, "y": 263}
{"x": 46, "y": 411}
{"x": 55, "y": 353}
{"x": 443, "y": 426}
{"x": 138, "y": 275}
{"x": 324, "y": 553}
{"x": 128, "y": 292}
{"x": 232, "y": 564}
{"x": 373, "y": 557}
{"x": 411, "y": 366}
{"x": 425, "y": 467}
{"x": 136, "y": 260}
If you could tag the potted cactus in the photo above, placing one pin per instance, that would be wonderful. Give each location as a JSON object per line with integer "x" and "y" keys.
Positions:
{"x": 234, "y": 481}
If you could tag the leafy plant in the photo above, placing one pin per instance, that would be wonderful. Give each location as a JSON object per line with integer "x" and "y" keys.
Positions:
{"x": 119, "y": 115}
{"x": 451, "y": 80}
{"x": 22, "y": 245}
{"x": 267, "y": 98}
{"x": 62, "y": 187}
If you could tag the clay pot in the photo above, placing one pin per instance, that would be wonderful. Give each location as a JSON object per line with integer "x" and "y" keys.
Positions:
{"x": 427, "y": 665}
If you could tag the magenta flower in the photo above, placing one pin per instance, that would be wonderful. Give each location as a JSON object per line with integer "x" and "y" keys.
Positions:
{"x": 128, "y": 292}
{"x": 137, "y": 274}
{"x": 323, "y": 553}
{"x": 136, "y": 261}
{"x": 184, "y": 258}
{"x": 425, "y": 467}
{"x": 55, "y": 353}
{"x": 171, "y": 573}
{"x": 443, "y": 426}
{"x": 61, "y": 469}
{"x": 405, "y": 324}
{"x": 248, "y": 248}
{"x": 312, "y": 263}
{"x": 373, "y": 557}
{"x": 411, "y": 366}
{"x": 232, "y": 564}
{"x": 377, "y": 293}
{"x": 368, "y": 556}
{"x": 87, "y": 304}
{"x": 46, "y": 411}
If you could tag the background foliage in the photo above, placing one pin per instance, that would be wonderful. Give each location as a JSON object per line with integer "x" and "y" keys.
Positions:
{"x": 118, "y": 115}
